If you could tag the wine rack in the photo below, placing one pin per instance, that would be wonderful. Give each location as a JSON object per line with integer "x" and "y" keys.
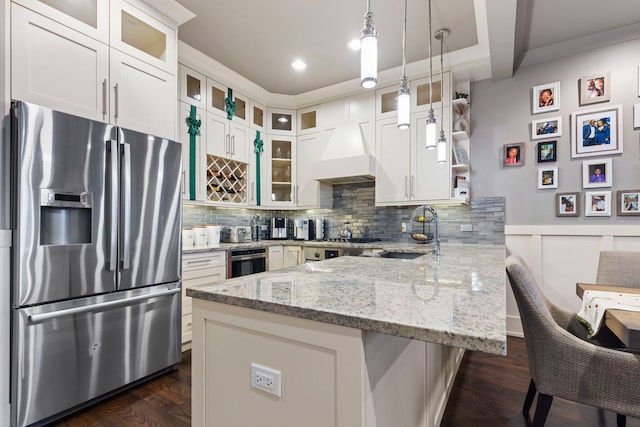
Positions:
{"x": 226, "y": 180}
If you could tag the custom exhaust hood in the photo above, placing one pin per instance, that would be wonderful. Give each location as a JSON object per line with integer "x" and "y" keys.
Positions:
{"x": 345, "y": 159}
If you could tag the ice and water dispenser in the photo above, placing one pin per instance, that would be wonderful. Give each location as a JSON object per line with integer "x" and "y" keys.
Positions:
{"x": 65, "y": 217}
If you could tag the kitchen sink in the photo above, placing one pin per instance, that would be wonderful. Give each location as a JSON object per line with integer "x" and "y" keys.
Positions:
{"x": 401, "y": 255}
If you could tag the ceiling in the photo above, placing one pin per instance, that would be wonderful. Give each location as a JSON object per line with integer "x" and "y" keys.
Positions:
{"x": 259, "y": 39}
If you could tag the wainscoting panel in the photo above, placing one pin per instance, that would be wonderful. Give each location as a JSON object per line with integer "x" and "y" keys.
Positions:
{"x": 561, "y": 256}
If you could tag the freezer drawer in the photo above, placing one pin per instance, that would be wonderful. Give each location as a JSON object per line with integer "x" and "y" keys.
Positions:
{"x": 67, "y": 353}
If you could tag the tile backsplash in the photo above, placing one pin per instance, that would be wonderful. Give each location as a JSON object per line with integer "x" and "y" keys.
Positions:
{"x": 355, "y": 203}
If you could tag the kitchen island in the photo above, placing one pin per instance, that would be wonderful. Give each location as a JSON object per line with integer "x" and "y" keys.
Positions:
{"x": 356, "y": 341}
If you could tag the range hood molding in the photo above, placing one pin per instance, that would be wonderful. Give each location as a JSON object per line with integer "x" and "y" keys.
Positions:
{"x": 345, "y": 159}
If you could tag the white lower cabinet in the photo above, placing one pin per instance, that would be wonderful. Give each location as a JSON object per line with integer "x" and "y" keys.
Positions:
{"x": 199, "y": 269}
{"x": 292, "y": 256}
{"x": 276, "y": 257}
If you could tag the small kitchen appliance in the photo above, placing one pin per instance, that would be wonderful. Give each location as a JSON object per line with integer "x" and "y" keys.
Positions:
{"x": 316, "y": 229}
{"x": 301, "y": 229}
{"x": 279, "y": 228}
{"x": 238, "y": 234}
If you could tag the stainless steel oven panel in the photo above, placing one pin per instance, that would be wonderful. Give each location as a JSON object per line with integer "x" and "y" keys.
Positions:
{"x": 69, "y": 352}
{"x": 246, "y": 261}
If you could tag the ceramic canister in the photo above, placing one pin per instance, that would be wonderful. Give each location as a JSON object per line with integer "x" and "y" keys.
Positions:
{"x": 188, "y": 237}
{"x": 200, "y": 235}
{"x": 213, "y": 235}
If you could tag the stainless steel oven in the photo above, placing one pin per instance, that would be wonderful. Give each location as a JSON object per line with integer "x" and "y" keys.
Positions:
{"x": 241, "y": 262}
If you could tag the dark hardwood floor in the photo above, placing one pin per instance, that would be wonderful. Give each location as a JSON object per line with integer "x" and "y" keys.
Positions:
{"x": 489, "y": 391}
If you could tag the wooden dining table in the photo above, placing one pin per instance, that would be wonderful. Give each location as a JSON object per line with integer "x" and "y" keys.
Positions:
{"x": 623, "y": 323}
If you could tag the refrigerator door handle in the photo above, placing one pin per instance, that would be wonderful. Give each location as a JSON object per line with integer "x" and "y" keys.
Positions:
{"x": 112, "y": 179}
{"x": 126, "y": 206}
{"x": 92, "y": 308}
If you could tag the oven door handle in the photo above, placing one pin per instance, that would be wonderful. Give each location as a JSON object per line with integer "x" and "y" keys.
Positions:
{"x": 247, "y": 257}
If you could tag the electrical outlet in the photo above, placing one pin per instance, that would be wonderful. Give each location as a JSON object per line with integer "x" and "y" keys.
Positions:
{"x": 266, "y": 379}
{"x": 466, "y": 227}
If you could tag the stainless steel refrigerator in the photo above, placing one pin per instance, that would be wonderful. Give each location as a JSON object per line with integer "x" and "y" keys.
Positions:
{"x": 95, "y": 214}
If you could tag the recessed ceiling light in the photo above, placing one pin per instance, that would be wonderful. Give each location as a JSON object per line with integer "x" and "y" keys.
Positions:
{"x": 354, "y": 44}
{"x": 298, "y": 64}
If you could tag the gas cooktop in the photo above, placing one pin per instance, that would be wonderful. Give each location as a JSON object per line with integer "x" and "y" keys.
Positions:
{"x": 356, "y": 240}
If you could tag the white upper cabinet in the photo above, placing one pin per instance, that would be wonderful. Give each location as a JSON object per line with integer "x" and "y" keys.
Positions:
{"x": 420, "y": 93}
{"x": 217, "y": 95}
{"x": 143, "y": 97}
{"x": 137, "y": 33}
{"x": 199, "y": 155}
{"x": 90, "y": 17}
{"x": 62, "y": 59}
{"x": 193, "y": 87}
{"x": 57, "y": 67}
{"x": 407, "y": 172}
{"x": 258, "y": 116}
{"x": 281, "y": 121}
{"x": 308, "y": 120}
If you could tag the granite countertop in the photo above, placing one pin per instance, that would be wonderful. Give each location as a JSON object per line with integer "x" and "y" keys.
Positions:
{"x": 386, "y": 246}
{"x": 458, "y": 300}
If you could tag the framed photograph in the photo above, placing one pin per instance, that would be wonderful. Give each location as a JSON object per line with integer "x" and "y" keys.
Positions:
{"x": 596, "y": 132}
{"x": 627, "y": 202}
{"x": 513, "y": 154}
{"x": 597, "y": 173}
{"x": 595, "y": 88}
{"x": 546, "y": 151}
{"x": 636, "y": 116}
{"x": 547, "y": 178}
{"x": 568, "y": 204}
{"x": 597, "y": 203}
{"x": 546, "y": 97}
{"x": 546, "y": 128}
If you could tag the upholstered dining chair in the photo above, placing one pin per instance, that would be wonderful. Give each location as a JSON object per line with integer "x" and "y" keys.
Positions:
{"x": 567, "y": 366}
{"x": 619, "y": 268}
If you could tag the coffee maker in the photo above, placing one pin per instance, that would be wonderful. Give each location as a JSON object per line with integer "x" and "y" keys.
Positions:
{"x": 279, "y": 226}
{"x": 301, "y": 229}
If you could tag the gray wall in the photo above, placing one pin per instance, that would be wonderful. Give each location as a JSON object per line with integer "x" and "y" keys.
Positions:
{"x": 501, "y": 113}
{"x": 355, "y": 203}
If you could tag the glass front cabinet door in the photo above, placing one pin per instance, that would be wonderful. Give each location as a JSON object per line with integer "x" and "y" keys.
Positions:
{"x": 280, "y": 171}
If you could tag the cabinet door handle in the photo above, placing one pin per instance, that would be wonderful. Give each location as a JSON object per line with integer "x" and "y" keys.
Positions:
{"x": 227, "y": 144}
{"x": 233, "y": 145}
{"x": 406, "y": 187}
{"x": 253, "y": 191}
{"x": 413, "y": 186}
{"x": 115, "y": 100}
{"x": 104, "y": 97}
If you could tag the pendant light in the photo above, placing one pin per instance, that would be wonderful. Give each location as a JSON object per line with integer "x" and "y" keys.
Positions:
{"x": 442, "y": 141}
{"x": 368, "y": 51}
{"x": 404, "y": 94}
{"x": 431, "y": 120}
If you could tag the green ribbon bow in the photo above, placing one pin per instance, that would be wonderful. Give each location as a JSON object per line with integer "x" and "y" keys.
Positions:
{"x": 258, "y": 145}
{"x": 194, "y": 130}
{"x": 230, "y": 104}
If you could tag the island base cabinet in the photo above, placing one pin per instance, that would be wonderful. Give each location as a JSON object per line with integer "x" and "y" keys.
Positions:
{"x": 331, "y": 375}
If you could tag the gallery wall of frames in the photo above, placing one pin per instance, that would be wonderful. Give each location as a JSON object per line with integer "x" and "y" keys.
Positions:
{"x": 562, "y": 139}
{"x": 595, "y": 132}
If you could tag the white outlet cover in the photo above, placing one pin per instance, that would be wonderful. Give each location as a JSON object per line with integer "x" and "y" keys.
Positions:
{"x": 266, "y": 379}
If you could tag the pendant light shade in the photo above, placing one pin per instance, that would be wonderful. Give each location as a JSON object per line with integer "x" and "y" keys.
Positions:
{"x": 368, "y": 51}
{"x": 404, "y": 105}
{"x": 432, "y": 131}
{"x": 404, "y": 94}
{"x": 442, "y": 141}
{"x": 431, "y": 120}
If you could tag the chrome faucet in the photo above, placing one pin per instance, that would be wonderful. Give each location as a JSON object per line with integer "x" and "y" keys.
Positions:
{"x": 436, "y": 240}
